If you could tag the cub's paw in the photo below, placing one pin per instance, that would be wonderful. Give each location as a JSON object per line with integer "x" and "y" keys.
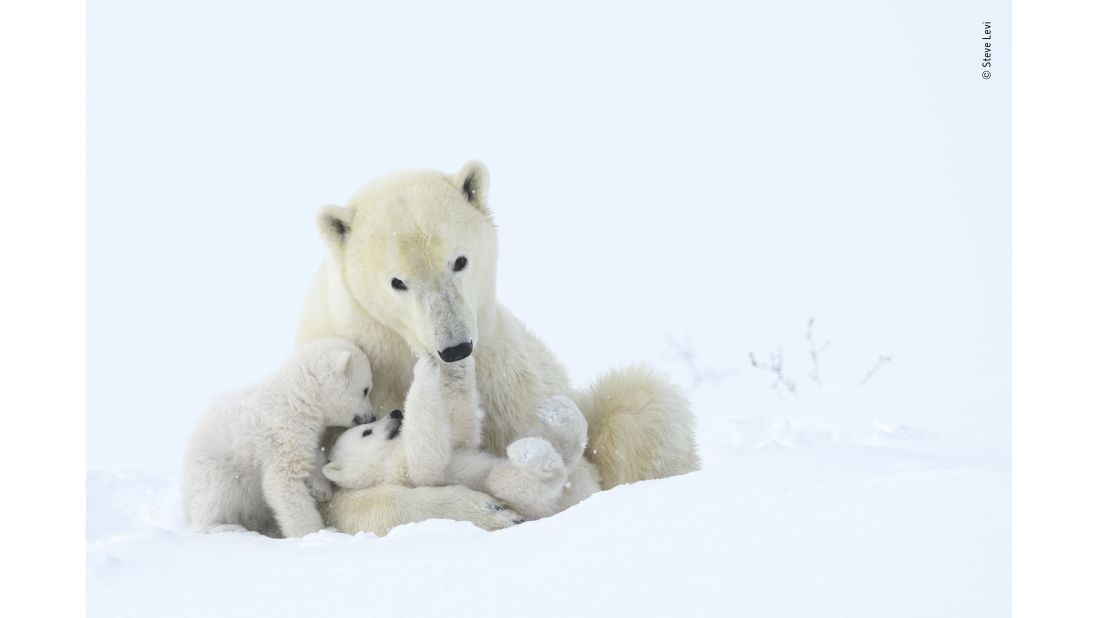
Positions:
{"x": 320, "y": 488}
{"x": 426, "y": 385}
{"x": 562, "y": 423}
{"x": 535, "y": 455}
{"x": 557, "y": 408}
{"x": 427, "y": 368}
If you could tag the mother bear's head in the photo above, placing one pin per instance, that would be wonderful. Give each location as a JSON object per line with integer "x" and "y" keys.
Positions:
{"x": 418, "y": 252}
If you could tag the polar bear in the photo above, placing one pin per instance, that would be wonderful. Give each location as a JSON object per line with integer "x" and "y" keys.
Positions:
{"x": 254, "y": 460}
{"x": 541, "y": 475}
{"x": 411, "y": 270}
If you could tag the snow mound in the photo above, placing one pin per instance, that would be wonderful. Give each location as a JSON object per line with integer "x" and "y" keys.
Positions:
{"x": 794, "y": 519}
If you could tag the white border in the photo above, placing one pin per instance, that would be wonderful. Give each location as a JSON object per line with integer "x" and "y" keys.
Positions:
{"x": 42, "y": 324}
{"x": 42, "y": 249}
{"x": 1055, "y": 334}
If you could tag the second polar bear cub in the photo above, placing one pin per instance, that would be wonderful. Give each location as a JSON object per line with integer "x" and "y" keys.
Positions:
{"x": 254, "y": 459}
{"x": 435, "y": 442}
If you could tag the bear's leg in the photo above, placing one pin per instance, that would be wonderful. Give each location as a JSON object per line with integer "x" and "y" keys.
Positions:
{"x": 640, "y": 427}
{"x": 532, "y": 479}
{"x": 294, "y": 509}
{"x": 563, "y": 425}
{"x": 382, "y": 508}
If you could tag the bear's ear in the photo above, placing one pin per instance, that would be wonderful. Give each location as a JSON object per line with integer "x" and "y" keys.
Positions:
{"x": 334, "y": 224}
{"x": 472, "y": 181}
{"x": 332, "y": 472}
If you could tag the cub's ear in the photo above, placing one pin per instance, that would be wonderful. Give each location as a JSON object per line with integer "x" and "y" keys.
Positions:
{"x": 332, "y": 472}
{"x": 472, "y": 181}
{"x": 334, "y": 224}
{"x": 343, "y": 362}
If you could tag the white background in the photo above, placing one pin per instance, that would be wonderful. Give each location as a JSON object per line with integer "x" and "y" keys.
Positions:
{"x": 711, "y": 175}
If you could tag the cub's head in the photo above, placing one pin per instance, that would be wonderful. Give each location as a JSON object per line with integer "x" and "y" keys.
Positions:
{"x": 417, "y": 251}
{"x": 360, "y": 455}
{"x": 339, "y": 372}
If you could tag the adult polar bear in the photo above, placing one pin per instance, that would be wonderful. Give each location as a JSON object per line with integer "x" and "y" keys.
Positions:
{"x": 411, "y": 270}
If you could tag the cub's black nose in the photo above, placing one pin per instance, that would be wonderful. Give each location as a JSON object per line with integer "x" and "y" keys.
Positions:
{"x": 457, "y": 352}
{"x": 396, "y": 421}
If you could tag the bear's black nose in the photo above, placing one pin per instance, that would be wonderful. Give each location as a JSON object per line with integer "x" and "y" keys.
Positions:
{"x": 397, "y": 414}
{"x": 457, "y": 352}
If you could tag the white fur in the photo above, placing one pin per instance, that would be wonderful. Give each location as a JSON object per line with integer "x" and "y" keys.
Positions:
{"x": 420, "y": 449}
{"x": 254, "y": 460}
{"x": 413, "y": 226}
{"x": 382, "y": 508}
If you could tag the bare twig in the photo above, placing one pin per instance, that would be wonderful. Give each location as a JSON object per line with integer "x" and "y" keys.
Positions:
{"x": 683, "y": 352}
{"x": 775, "y": 366}
{"x": 881, "y": 362}
{"x": 815, "y": 351}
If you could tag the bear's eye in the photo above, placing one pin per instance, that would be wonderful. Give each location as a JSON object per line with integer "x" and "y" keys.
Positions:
{"x": 366, "y": 392}
{"x": 460, "y": 263}
{"x": 398, "y": 284}
{"x": 367, "y": 432}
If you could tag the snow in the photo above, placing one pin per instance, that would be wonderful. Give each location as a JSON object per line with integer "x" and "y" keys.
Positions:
{"x": 735, "y": 171}
{"x": 788, "y": 517}
{"x": 831, "y": 531}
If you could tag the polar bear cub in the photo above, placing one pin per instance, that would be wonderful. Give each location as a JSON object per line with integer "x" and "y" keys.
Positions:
{"x": 254, "y": 461}
{"x": 435, "y": 442}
